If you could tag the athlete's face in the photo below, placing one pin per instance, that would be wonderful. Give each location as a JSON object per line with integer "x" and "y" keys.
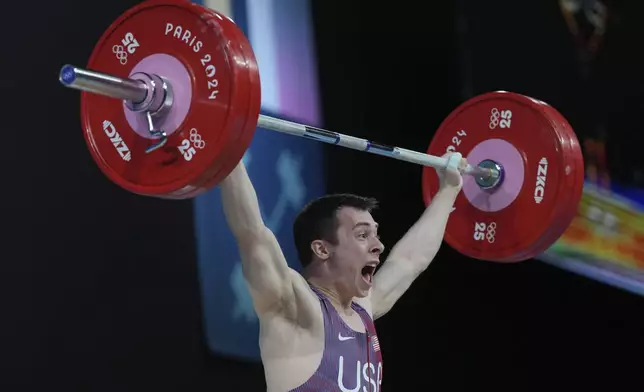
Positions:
{"x": 354, "y": 258}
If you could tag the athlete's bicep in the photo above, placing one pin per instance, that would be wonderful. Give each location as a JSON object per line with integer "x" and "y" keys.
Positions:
{"x": 265, "y": 270}
{"x": 273, "y": 285}
{"x": 389, "y": 284}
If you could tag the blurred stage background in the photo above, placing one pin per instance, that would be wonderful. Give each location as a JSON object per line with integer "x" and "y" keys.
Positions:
{"x": 104, "y": 290}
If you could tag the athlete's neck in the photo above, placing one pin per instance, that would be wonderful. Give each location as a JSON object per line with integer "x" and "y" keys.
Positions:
{"x": 332, "y": 295}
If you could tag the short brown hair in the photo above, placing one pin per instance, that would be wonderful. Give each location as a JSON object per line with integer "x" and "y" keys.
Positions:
{"x": 318, "y": 221}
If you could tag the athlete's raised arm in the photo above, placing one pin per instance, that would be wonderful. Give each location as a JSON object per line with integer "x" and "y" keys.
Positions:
{"x": 263, "y": 264}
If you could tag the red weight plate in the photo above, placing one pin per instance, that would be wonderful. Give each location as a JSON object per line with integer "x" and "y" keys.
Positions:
{"x": 254, "y": 100}
{"x": 178, "y": 41}
{"x": 549, "y": 236}
{"x": 568, "y": 203}
{"x": 563, "y": 203}
{"x": 570, "y": 206}
{"x": 510, "y": 129}
{"x": 250, "y": 125}
{"x": 243, "y": 133}
{"x": 571, "y": 178}
{"x": 213, "y": 175}
{"x": 574, "y": 179}
{"x": 234, "y": 144}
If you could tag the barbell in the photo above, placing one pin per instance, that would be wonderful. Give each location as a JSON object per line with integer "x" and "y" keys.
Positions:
{"x": 170, "y": 101}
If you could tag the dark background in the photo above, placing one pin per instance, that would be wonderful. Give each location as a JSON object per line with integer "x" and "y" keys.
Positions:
{"x": 97, "y": 295}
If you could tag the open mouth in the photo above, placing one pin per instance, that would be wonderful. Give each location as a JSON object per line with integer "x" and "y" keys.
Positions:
{"x": 367, "y": 273}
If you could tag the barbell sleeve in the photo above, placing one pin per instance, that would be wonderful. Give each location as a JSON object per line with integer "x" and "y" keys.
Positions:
{"x": 136, "y": 91}
{"x": 131, "y": 90}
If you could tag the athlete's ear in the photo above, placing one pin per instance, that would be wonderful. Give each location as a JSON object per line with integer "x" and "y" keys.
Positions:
{"x": 320, "y": 249}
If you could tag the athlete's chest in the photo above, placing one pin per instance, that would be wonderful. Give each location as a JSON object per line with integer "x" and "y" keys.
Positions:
{"x": 353, "y": 345}
{"x": 356, "y": 333}
{"x": 353, "y": 357}
{"x": 354, "y": 361}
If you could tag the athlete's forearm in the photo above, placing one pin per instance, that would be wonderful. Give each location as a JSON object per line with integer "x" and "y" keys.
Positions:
{"x": 240, "y": 203}
{"x": 423, "y": 240}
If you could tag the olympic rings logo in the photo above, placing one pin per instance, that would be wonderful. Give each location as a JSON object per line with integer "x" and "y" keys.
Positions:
{"x": 495, "y": 115}
{"x": 490, "y": 233}
{"x": 196, "y": 139}
{"x": 121, "y": 54}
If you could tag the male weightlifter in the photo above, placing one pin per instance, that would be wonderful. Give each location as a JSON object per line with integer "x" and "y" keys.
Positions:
{"x": 317, "y": 329}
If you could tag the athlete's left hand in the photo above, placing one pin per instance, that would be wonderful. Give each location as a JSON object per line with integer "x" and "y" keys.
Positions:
{"x": 450, "y": 177}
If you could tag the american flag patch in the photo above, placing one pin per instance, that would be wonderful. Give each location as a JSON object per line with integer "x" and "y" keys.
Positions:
{"x": 375, "y": 343}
